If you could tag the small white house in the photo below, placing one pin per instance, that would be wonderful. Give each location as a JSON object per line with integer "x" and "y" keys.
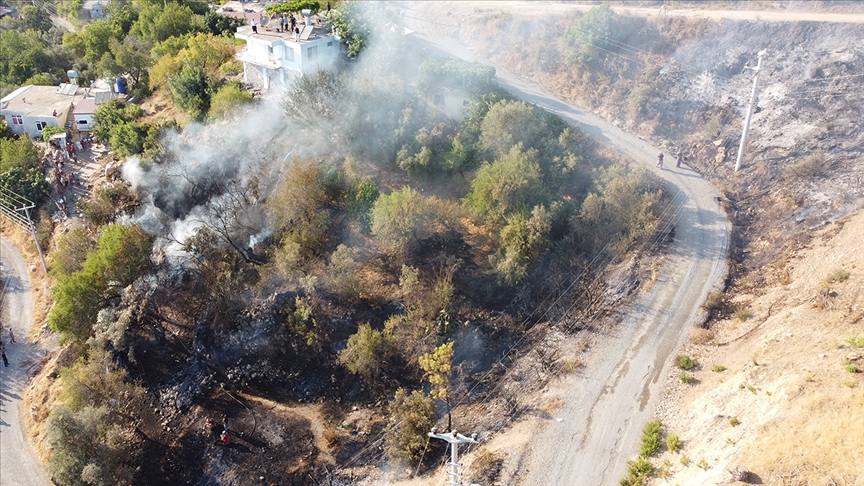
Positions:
{"x": 84, "y": 114}
{"x": 451, "y": 102}
{"x": 96, "y": 8}
{"x": 275, "y": 56}
{"x": 29, "y": 109}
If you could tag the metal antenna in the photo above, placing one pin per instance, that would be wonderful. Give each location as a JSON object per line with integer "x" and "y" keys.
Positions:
{"x": 757, "y": 69}
{"x": 454, "y": 438}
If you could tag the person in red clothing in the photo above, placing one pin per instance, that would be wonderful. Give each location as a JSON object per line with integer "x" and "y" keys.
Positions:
{"x": 226, "y": 438}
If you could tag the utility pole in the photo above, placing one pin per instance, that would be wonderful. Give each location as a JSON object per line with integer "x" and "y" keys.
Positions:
{"x": 26, "y": 210}
{"x": 454, "y": 439}
{"x": 752, "y": 103}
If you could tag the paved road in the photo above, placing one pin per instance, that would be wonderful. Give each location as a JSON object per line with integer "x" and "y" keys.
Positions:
{"x": 18, "y": 465}
{"x": 620, "y": 389}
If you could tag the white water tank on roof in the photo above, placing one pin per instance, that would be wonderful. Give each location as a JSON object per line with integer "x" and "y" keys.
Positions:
{"x": 307, "y": 14}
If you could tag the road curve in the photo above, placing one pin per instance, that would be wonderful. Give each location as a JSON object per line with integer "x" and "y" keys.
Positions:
{"x": 18, "y": 465}
{"x": 621, "y": 386}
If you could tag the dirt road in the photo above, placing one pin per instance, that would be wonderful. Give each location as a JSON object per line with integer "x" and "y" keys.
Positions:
{"x": 18, "y": 465}
{"x": 608, "y": 404}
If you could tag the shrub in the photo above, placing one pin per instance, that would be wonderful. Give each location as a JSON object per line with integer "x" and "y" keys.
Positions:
{"x": 743, "y": 313}
{"x": 851, "y": 368}
{"x": 685, "y": 362}
{"x": 713, "y": 301}
{"x": 411, "y": 417}
{"x": 857, "y": 342}
{"x": 685, "y": 377}
{"x": 809, "y": 166}
{"x": 638, "y": 472}
{"x": 718, "y": 369}
{"x": 228, "y": 99}
{"x": 367, "y": 351}
{"x": 734, "y": 422}
{"x": 673, "y": 442}
{"x": 650, "y": 438}
{"x": 836, "y": 276}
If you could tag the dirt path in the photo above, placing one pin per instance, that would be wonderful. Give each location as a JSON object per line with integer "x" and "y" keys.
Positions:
{"x": 18, "y": 465}
{"x": 605, "y": 408}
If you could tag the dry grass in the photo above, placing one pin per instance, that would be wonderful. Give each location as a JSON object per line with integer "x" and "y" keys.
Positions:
{"x": 816, "y": 434}
{"x": 700, "y": 335}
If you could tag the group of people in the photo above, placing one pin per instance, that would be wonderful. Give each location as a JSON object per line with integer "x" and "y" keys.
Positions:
{"x": 224, "y": 436}
{"x": 679, "y": 157}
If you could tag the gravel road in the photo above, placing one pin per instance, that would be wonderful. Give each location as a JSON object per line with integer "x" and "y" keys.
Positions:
{"x": 18, "y": 465}
{"x": 621, "y": 386}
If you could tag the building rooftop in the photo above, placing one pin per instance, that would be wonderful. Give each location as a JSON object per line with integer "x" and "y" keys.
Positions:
{"x": 39, "y": 100}
{"x": 271, "y": 34}
{"x": 85, "y": 106}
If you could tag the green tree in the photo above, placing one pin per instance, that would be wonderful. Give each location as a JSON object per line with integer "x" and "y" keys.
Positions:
{"x": 72, "y": 250}
{"x": 521, "y": 239}
{"x": 314, "y": 96}
{"x": 93, "y": 435}
{"x": 294, "y": 6}
{"x": 438, "y": 366}
{"x": 403, "y": 217}
{"x": 131, "y": 58}
{"x": 229, "y": 98}
{"x": 36, "y": 18}
{"x": 411, "y": 418}
{"x": 511, "y": 183}
{"x": 18, "y": 153}
{"x": 23, "y": 55}
{"x": 157, "y": 23}
{"x": 191, "y": 90}
{"x": 342, "y": 274}
{"x": 509, "y": 123}
{"x": 367, "y": 352}
{"x": 359, "y": 199}
{"x": 122, "y": 254}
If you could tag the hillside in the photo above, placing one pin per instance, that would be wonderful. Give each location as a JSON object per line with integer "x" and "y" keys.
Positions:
{"x": 680, "y": 82}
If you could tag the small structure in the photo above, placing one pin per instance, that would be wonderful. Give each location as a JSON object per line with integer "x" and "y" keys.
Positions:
{"x": 451, "y": 101}
{"x": 8, "y": 12}
{"x": 274, "y": 55}
{"x": 95, "y": 8}
{"x": 84, "y": 114}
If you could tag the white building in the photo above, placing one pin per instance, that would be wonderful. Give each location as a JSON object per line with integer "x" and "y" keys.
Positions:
{"x": 96, "y": 8}
{"x": 84, "y": 114}
{"x": 29, "y": 109}
{"x": 272, "y": 56}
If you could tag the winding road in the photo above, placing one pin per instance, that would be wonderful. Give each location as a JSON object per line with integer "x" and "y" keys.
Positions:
{"x": 18, "y": 464}
{"x": 620, "y": 389}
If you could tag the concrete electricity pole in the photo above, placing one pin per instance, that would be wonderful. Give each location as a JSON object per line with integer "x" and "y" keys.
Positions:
{"x": 26, "y": 210}
{"x": 454, "y": 438}
{"x": 758, "y": 68}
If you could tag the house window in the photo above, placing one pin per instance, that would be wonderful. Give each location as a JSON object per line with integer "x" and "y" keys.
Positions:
{"x": 17, "y": 120}
{"x": 330, "y": 44}
{"x": 41, "y": 125}
{"x": 82, "y": 122}
{"x": 270, "y": 50}
{"x": 313, "y": 53}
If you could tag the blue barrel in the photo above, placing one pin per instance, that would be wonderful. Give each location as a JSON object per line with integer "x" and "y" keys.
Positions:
{"x": 120, "y": 85}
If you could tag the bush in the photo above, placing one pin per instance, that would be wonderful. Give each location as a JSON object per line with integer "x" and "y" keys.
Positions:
{"x": 673, "y": 442}
{"x": 411, "y": 417}
{"x": 685, "y": 362}
{"x": 734, "y": 422}
{"x": 718, "y": 369}
{"x": 685, "y": 377}
{"x": 713, "y": 302}
{"x": 810, "y": 166}
{"x": 228, "y": 99}
{"x": 743, "y": 313}
{"x": 650, "y": 438}
{"x": 511, "y": 183}
{"x": 836, "y": 276}
{"x": 638, "y": 472}
{"x": 367, "y": 351}
{"x": 857, "y": 342}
